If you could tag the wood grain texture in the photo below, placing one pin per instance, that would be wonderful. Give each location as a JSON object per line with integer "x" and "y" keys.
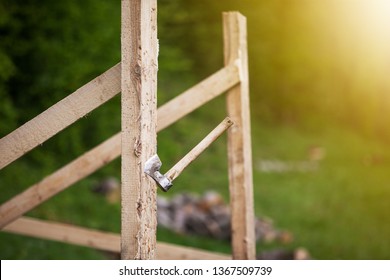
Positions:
{"x": 139, "y": 125}
{"x": 239, "y": 140}
{"x": 59, "y": 116}
{"x": 110, "y": 149}
{"x": 99, "y": 239}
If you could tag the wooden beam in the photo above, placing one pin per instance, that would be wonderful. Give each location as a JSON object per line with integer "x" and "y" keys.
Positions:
{"x": 65, "y": 233}
{"x": 99, "y": 240}
{"x": 239, "y": 140}
{"x": 60, "y": 180}
{"x": 110, "y": 149}
{"x": 168, "y": 251}
{"x": 139, "y": 125}
{"x": 198, "y": 95}
{"x": 59, "y": 116}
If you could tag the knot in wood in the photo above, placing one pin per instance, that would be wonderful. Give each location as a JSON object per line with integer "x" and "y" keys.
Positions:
{"x": 137, "y": 70}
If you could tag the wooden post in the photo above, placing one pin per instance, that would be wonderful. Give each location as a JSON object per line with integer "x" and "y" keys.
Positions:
{"x": 139, "y": 120}
{"x": 239, "y": 140}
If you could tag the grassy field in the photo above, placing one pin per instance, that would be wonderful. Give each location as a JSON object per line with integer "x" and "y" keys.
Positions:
{"x": 340, "y": 210}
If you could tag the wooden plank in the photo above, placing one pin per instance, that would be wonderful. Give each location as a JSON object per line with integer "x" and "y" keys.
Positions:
{"x": 109, "y": 150}
{"x": 198, "y": 95}
{"x": 175, "y": 252}
{"x": 239, "y": 140}
{"x": 59, "y": 116}
{"x": 99, "y": 240}
{"x": 60, "y": 180}
{"x": 139, "y": 125}
{"x": 65, "y": 233}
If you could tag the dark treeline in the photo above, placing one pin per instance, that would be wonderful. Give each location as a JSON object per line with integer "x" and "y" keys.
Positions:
{"x": 309, "y": 65}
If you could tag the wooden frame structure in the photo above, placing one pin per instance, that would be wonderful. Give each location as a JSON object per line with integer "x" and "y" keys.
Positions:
{"x": 136, "y": 78}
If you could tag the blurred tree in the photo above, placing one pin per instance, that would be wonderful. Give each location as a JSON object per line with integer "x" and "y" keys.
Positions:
{"x": 53, "y": 48}
{"x": 303, "y": 70}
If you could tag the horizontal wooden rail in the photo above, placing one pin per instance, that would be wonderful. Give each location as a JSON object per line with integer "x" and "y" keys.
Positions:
{"x": 65, "y": 233}
{"x": 111, "y": 148}
{"x": 167, "y": 251}
{"x": 60, "y": 115}
{"x": 99, "y": 240}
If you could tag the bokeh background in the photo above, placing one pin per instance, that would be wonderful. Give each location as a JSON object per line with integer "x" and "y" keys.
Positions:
{"x": 319, "y": 90}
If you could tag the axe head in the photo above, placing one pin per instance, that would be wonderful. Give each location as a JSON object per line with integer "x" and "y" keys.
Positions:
{"x": 152, "y": 168}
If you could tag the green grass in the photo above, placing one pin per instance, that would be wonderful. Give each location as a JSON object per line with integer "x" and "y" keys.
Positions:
{"x": 340, "y": 211}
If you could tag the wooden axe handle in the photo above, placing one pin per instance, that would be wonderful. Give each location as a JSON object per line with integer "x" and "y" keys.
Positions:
{"x": 176, "y": 170}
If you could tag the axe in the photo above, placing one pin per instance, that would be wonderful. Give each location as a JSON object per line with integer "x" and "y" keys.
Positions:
{"x": 153, "y": 165}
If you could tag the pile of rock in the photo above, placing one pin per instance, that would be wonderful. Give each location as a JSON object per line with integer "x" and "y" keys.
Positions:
{"x": 208, "y": 215}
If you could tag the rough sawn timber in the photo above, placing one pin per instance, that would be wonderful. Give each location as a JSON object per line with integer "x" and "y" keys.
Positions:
{"x": 239, "y": 140}
{"x": 139, "y": 124}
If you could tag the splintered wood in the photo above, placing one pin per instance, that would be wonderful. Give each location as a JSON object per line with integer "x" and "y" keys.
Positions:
{"x": 239, "y": 140}
{"x": 139, "y": 121}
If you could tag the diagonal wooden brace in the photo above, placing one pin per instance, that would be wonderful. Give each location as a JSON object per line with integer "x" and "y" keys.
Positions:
{"x": 110, "y": 149}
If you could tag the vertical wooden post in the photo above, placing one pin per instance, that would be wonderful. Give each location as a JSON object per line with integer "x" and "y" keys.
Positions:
{"x": 239, "y": 140}
{"x": 139, "y": 86}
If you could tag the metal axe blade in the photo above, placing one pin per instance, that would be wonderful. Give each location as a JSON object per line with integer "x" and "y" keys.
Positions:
{"x": 152, "y": 168}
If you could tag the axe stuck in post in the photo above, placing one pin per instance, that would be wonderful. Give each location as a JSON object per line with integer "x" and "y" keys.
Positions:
{"x": 153, "y": 165}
